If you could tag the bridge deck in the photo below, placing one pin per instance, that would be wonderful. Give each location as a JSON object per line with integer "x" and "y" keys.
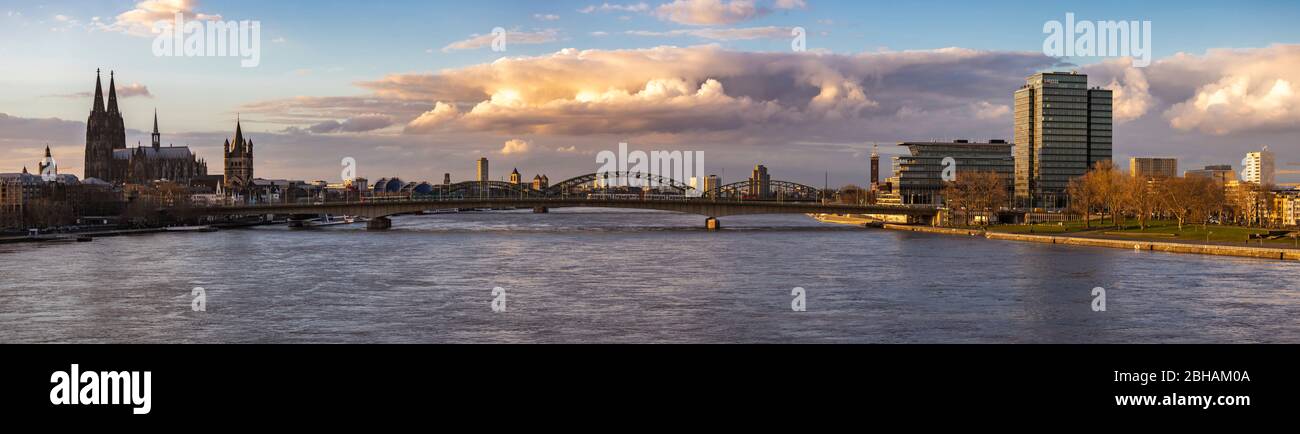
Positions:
{"x": 704, "y": 207}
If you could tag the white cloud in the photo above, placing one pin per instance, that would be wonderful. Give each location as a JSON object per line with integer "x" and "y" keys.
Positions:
{"x": 140, "y": 21}
{"x": 607, "y": 7}
{"x": 1220, "y": 92}
{"x": 516, "y": 146}
{"x": 511, "y": 37}
{"x": 709, "y": 12}
{"x": 546, "y": 17}
{"x": 722, "y": 34}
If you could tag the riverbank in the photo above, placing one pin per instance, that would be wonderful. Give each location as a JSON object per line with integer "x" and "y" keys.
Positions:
{"x": 77, "y": 236}
{"x": 1134, "y": 244}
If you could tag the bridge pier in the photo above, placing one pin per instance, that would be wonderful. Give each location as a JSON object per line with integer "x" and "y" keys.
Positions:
{"x": 541, "y": 210}
{"x": 379, "y": 224}
{"x": 712, "y": 224}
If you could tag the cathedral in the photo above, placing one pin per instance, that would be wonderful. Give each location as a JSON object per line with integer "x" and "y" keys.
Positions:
{"x": 108, "y": 159}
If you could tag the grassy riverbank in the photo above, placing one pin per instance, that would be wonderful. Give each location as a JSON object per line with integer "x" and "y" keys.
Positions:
{"x": 1159, "y": 230}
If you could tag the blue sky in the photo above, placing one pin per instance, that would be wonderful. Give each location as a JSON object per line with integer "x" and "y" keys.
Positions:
{"x": 325, "y": 48}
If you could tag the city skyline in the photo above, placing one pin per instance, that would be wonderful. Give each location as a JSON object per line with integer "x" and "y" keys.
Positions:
{"x": 696, "y": 89}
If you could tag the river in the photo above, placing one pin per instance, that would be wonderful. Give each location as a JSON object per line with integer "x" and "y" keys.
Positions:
{"x": 582, "y": 275}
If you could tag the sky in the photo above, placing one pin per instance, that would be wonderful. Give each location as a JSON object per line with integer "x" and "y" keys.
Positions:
{"x": 415, "y": 88}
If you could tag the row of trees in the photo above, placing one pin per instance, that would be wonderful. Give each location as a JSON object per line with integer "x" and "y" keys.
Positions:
{"x": 1109, "y": 192}
{"x": 1112, "y": 195}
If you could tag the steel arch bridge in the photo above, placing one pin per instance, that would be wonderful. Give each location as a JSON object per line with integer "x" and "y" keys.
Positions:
{"x": 564, "y": 187}
{"x": 783, "y": 190}
{"x": 476, "y": 189}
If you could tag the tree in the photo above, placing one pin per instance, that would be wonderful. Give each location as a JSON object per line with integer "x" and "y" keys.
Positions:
{"x": 1110, "y": 187}
{"x": 1207, "y": 199}
{"x": 976, "y": 192}
{"x": 1083, "y": 197}
{"x": 1141, "y": 198}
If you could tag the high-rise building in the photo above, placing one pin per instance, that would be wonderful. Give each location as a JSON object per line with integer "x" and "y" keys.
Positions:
{"x": 1220, "y": 173}
{"x": 1062, "y": 128}
{"x": 1149, "y": 168}
{"x": 760, "y": 183}
{"x": 711, "y": 185}
{"x": 920, "y": 174}
{"x": 1258, "y": 168}
{"x": 483, "y": 170}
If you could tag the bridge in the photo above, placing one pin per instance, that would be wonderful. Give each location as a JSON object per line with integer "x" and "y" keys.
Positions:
{"x": 379, "y": 211}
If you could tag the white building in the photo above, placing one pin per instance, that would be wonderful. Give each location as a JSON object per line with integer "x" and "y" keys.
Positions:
{"x": 1259, "y": 168}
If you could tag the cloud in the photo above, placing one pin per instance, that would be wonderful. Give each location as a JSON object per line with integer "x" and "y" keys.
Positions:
{"x": 709, "y": 12}
{"x": 140, "y": 20}
{"x": 791, "y": 4}
{"x": 1221, "y": 92}
{"x": 702, "y": 90}
{"x": 516, "y": 146}
{"x": 358, "y": 124}
{"x": 607, "y": 7}
{"x": 123, "y": 91}
{"x": 722, "y": 34}
{"x": 546, "y": 17}
{"x": 511, "y": 37}
{"x": 567, "y": 149}
{"x": 431, "y": 120}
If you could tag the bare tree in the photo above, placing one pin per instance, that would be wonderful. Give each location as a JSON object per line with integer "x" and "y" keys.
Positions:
{"x": 1141, "y": 198}
{"x": 976, "y": 192}
{"x": 1083, "y": 197}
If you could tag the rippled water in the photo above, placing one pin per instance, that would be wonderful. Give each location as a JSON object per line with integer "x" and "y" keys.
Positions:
{"x": 615, "y": 276}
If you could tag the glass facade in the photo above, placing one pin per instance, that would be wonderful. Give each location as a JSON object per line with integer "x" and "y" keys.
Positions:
{"x": 1061, "y": 129}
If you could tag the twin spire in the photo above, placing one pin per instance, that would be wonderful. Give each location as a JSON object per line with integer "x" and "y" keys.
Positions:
{"x": 99, "y": 95}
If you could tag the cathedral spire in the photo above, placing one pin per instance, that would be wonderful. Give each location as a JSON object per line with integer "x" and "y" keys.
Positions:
{"x": 157, "y": 138}
{"x": 112, "y": 94}
{"x": 47, "y": 150}
{"x": 99, "y": 95}
{"x": 239, "y": 133}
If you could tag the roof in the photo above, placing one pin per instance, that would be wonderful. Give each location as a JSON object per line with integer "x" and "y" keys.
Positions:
{"x": 165, "y": 153}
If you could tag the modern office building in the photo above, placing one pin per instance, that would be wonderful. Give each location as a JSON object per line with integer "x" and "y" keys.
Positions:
{"x": 710, "y": 187}
{"x": 1259, "y": 168}
{"x": 483, "y": 170}
{"x": 1220, "y": 173}
{"x": 920, "y": 173}
{"x": 1150, "y": 167}
{"x": 1062, "y": 128}
{"x": 760, "y": 183}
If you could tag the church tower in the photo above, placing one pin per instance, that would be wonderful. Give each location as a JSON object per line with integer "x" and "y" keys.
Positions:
{"x": 239, "y": 163}
{"x": 157, "y": 138}
{"x": 47, "y": 163}
{"x": 105, "y": 132}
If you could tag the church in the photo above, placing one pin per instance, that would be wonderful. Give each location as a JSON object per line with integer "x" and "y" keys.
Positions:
{"x": 110, "y": 160}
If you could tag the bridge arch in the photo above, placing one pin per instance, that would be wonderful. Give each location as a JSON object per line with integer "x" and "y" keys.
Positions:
{"x": 661, "y": 182}
{"x": 779, "y": 190}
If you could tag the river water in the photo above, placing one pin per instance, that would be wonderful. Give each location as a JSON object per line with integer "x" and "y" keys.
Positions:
{"x": 582, "y": 275}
